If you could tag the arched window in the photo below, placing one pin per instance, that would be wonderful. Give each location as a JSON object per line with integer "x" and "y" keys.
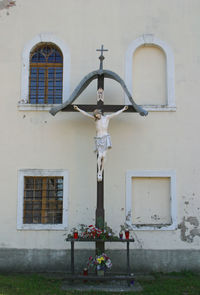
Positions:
{"x": 46, "y": 74}
{"x": 35, "y": 45}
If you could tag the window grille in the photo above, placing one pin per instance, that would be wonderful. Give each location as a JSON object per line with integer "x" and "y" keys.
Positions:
{"x": 46, "y": 75}
{"x": 43, "y": 200}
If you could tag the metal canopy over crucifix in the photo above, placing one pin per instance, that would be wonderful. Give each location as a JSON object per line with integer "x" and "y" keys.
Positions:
{"x": 100, "y": 75}
{"x": 102, "y": 121}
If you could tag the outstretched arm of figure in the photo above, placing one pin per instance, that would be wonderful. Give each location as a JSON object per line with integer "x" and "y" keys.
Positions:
{"x": 117, "y": 113}
{"x": 83, "y": 112}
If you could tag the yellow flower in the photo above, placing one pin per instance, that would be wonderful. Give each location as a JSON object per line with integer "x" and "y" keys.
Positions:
{"x": 99, "y": 260}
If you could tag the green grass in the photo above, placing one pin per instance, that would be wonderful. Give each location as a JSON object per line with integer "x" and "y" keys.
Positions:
{"x": 171, "y": 284}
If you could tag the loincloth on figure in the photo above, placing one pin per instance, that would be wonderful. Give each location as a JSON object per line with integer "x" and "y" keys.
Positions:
{"x": 102, "y": 143}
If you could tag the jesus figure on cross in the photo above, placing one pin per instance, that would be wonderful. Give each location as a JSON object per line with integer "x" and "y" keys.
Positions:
{"x": 102, "y": 139}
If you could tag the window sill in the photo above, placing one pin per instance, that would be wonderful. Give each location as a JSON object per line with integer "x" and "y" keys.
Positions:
{"x": 155, "y": 227}
{"x": 41, "y": 227}
{"x": 35, "y": 107}
{"x": 159, "y": 108}
{"x": 47, "y": 107}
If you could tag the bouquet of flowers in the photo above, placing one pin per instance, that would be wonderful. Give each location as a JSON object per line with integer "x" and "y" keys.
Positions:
{"x": 101, "y": 262}
{"x": 92, "y": 232}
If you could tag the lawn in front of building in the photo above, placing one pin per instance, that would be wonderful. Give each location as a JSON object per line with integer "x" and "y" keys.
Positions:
{"x": 186, "y": 283}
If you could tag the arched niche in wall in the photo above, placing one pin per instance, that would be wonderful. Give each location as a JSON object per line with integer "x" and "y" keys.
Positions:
{"x": 150, "y": 73}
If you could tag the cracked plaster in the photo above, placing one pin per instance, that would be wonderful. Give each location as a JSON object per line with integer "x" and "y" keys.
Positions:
{"x": 5, "y": 4}
{"x": 189, "y": 229}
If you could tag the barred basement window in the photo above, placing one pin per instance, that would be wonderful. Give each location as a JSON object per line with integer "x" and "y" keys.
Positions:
{"x": 46, "y": 75}
{"x": 43, "y": 200}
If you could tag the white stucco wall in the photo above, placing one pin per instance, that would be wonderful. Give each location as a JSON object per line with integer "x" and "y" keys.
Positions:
{"x": 161, "y": 141}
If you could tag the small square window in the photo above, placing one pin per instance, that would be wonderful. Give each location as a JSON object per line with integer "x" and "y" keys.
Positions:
{"x": 42, "y": 197}
{"x": 49, "y": 209}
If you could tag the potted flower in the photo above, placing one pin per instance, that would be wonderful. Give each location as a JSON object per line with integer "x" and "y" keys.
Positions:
{"x": 101, "y": 263}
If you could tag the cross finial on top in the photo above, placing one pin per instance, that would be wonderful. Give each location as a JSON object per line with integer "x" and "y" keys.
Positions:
{"x": 101, "y": 57}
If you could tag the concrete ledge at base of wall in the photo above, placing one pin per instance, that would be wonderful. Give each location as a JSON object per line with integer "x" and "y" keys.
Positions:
{"x": 145, "y": 261}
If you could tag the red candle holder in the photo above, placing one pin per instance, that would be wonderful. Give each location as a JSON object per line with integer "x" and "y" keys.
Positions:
{"x": 76, "y": 234}
{"x": 127, "y": 234}
{"x": 85, "y": 273}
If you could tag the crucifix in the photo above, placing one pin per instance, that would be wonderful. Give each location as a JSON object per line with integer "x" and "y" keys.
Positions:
{"x": 102, "y": 139}
{"x": 101, "y": 121}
